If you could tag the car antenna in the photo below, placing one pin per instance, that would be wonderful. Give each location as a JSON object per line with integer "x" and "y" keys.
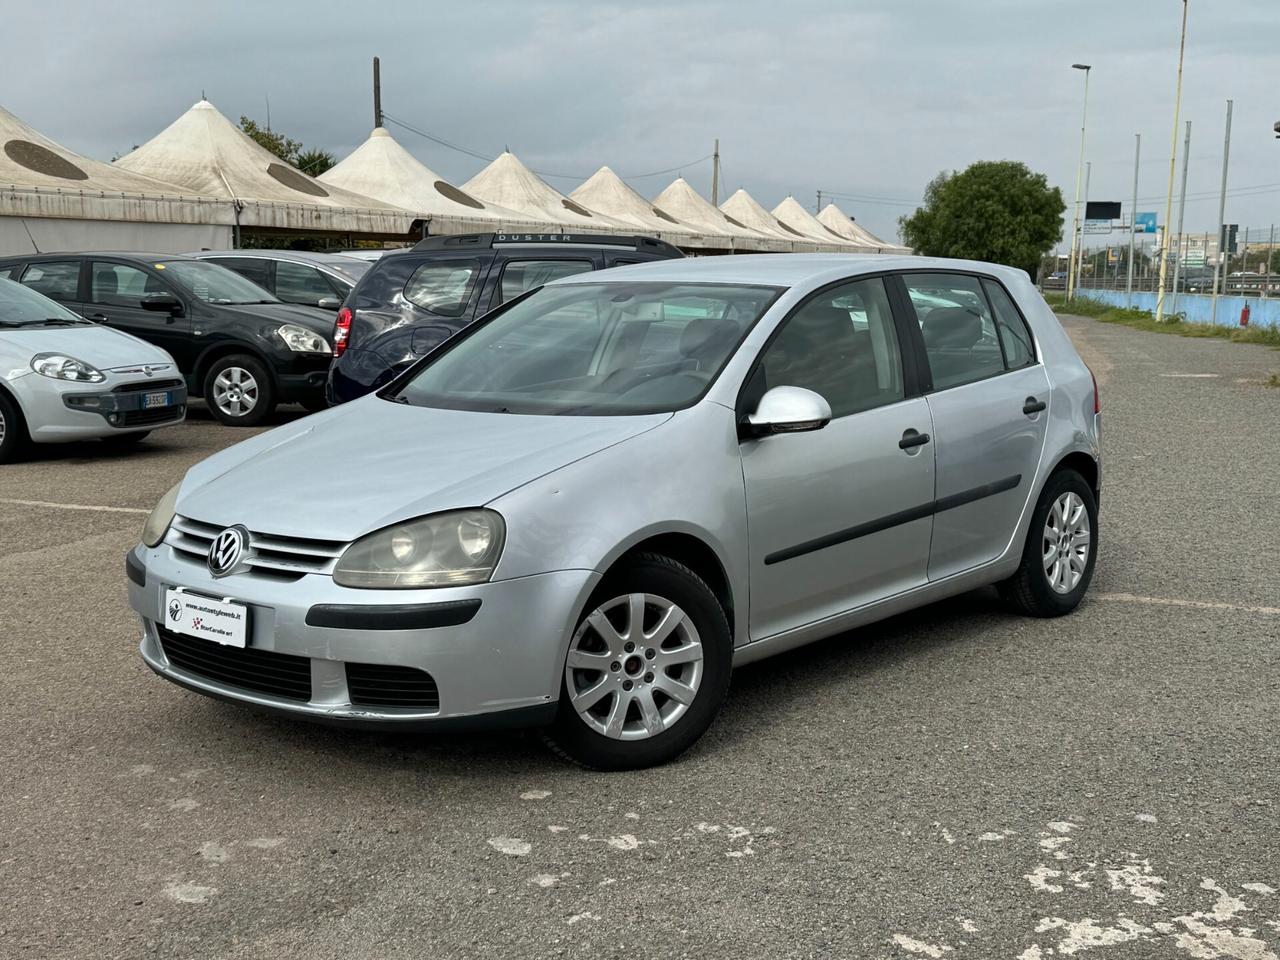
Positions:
{"x": 34, "y": 245}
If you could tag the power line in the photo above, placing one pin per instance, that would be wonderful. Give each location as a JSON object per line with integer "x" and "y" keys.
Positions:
{"x": 542, "y": 173}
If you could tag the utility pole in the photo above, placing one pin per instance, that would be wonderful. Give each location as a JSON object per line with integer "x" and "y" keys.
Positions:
{"x": 819, "y": 210}
{"x": 1076, "y": 227}
{"x": 1133, "y": 218}
{"x": 1173, "y": 158}
{"x": 377, "y": 93}
{"x": 715, "y": 175}
{"x": 1222, "y": 213}
{"x": 1182, "y": 208}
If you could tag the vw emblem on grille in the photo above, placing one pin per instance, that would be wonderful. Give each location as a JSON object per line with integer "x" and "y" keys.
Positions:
{"x": 227, "y": 549}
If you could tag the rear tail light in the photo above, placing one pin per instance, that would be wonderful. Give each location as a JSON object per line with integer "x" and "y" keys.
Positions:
{"x": 1097, "y": 402}
{"x": 341, "y": 331}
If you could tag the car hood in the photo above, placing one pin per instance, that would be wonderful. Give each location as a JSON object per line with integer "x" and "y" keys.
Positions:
{"x": 348, "y": 471}
{"x": 100, "y": 346}
{"x": 313, "y": 318}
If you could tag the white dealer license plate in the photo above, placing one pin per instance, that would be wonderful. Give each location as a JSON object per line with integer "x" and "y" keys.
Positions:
{"x": 152, "y": 400}
{"x": 218, "y": 620}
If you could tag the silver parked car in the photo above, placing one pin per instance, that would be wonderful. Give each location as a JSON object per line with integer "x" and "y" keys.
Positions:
{"x": 587, "y": 507}
{"x": 64, "y": 378}
{"x": 295, "y": 276}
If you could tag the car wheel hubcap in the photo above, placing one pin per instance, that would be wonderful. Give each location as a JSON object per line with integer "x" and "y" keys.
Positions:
{"x": 2, "y": 428}
{"x": 634, "y": 666}
{"x": 235, "y": 391}
{"x": 1066, "y": 543}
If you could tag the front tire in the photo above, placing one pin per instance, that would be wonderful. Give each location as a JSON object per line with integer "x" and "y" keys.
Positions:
{"x": 647, "y": 670}
{"x": 13, "y": 430}
{"x": 239, "y": 390}
{"x": 1060, "y": 552}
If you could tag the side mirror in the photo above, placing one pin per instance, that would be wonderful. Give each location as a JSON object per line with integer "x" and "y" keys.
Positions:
{"x": 328, "y": 303}
{"x": 788, "y": 410}
{"x": 162, "y": 303}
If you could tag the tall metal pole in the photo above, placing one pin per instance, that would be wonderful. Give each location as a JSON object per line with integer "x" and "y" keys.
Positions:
{"x": 1133, "y": 218}
{"x": 1075, "y": 229}
{"x": 1271, "y": 252}
{"x": 1182, "y": 208}
{"x": 377, "y": 93}
{"x": 1088, "y": 173}
{"x": 715, "y": 175}
{"x": 819, "y": 210}
{"x": 1173, "y": 158}
{"x": 1222, "y": 214}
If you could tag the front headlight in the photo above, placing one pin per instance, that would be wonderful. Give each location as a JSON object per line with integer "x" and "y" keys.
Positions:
{"x": 301, "y": 340}
{"x": 59, "y": 366}
{"x": 157, "y": 524}
{"x": 445, "y": 550}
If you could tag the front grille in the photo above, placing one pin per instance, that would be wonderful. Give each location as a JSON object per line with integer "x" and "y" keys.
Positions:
{"x": 268, "y": 554}
{"x": 379, "y": 685}
{"x": 149, "y": 387}
{"x": 143, "y": 418}
{"x": 278, "y": 674}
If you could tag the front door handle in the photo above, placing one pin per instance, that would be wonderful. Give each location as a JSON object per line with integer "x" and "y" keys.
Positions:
{"x": 99, "y": 318}
{"x": 1033, "y": 406}
{"x": 911, "y": 438}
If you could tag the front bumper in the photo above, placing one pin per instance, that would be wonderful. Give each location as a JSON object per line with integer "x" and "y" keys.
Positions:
{"x": 59, "y": 411}
{"x": 497, "y": 658}
{"x": 302, "y": 379}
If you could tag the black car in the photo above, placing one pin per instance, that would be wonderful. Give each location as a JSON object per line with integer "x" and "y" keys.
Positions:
{"x": 411, "y": 302}
{"x": 237, "y": 345}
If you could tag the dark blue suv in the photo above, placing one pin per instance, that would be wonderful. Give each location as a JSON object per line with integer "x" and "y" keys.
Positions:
{"x": 412, "y": 301}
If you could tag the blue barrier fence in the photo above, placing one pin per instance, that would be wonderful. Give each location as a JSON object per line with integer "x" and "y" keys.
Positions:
{"x": 1196, "y": 307}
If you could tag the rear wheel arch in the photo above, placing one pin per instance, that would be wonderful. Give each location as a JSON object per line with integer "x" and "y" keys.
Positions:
{"x": 1083, "y": 464}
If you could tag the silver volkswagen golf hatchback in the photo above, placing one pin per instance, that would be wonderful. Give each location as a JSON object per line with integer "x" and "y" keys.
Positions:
{"x": 584, "y": 510}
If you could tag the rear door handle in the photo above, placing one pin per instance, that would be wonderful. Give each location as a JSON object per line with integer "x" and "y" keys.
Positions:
{"x": 913, "y": 439}
{"x": 1033, "y": 406}
{"x": 100, "y": 317}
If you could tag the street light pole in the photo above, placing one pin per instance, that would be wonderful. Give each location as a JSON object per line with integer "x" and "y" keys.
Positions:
{"x": 1075, "y": 229}
{"x": 1133, "y": 219}
{"x": 1173, "y": 159}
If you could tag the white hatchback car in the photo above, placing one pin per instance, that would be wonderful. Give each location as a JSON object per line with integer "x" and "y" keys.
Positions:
{"x": 65, "y": 378}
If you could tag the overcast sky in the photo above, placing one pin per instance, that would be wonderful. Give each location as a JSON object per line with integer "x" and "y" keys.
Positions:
{"x": 868, "y": 98}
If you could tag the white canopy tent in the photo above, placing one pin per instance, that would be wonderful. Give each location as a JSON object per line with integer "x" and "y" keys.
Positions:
{"x": 836, "y": 220}
{"x": 54, "y": 199}
{"x": 607, "y": 192}
{"x": 204, "y": 151}
{"x": 685, "y": 204}
{"x": 381, "y": 168}
{"x": 508, "y": 182}
{"x": 744, "y": 208}
{"x": 801, "y": 220}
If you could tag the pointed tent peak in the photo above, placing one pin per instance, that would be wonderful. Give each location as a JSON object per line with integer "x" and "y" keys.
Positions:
{"x": 791, "y": 213}
{"x": 203, "y": 150}
{"x": 744, "y": 208}
{"x": 688, "y": 206}
{"x": 606, "y": 192}
{"x": 509, "y": 183}
{"x": 837, "y": 220}
{"x": 383, "y": 169}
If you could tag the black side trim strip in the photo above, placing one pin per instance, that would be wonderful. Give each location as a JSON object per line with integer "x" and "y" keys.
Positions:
{"x": 392, "y": 616}
{"x": 134, "y": 569}
{"x": 894, "y": 520}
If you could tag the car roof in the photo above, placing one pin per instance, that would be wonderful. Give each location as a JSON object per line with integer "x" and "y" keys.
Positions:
{"x": 117, "y": 254}
{"x": 782, "y": 269}
{"x": 353, "y": 267}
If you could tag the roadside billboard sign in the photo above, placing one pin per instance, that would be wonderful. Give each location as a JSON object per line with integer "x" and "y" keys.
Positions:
{"x": 1144, "y": 223}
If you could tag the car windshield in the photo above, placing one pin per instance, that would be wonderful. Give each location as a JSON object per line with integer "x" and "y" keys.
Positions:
{"x": 213, "y": 283}
{"x": 22, "y": 307}
{"x": 593, "y": 349}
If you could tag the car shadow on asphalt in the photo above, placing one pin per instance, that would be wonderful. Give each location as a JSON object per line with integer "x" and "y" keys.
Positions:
{"x": 762, "y": 695}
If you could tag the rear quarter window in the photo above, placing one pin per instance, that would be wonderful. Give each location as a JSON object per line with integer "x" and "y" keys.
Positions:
{"x": 443, "y": 287}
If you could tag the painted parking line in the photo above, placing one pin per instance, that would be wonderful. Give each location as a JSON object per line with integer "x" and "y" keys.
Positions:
{"x": 1196, "y": 604}
{"x": 72, "y": 506}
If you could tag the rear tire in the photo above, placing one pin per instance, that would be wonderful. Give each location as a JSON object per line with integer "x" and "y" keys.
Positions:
{"x": 636, "y": 698}
{"x": 239, "y": 390}
{"x": 13, "y": 430}
{"x": 1061, "y": 549}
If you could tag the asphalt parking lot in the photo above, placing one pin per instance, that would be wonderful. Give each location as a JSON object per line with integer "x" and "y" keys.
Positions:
{"x": 957, "y": 782}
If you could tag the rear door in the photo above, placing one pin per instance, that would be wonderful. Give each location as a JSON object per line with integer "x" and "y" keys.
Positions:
{"x": 519, "y": 274}
{"x": 988, "y": 400}
{"x": 115, "y": 295}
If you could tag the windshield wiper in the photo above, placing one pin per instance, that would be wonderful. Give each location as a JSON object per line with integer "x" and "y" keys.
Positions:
{"x": 63, "y": 321}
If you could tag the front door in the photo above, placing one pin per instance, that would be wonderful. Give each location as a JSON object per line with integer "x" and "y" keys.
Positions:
{"x": 990, "y": 407}
{"x": 837, "y": 517}
{"x": 116, "y": 292}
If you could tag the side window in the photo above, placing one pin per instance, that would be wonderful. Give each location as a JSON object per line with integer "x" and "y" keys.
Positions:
{"x": 9, "y": 272}
{"x": 57, "y": 280}
{"x": 297, "y": 283}
{"x": 842, "y": 345}
{"x": 521, "y": 275}
{"x": 254, "y": 269}
{"x": 959, "y": 332}
{"x": 120, "y": 285}
{"x": 1019, "y": 348}
{"x": 443, "y": 288}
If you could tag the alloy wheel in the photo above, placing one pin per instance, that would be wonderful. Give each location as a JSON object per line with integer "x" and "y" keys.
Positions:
{"x": 235, "y": 391}
{"x": 634, "y": 666}
{"x": 1067, "y": 542}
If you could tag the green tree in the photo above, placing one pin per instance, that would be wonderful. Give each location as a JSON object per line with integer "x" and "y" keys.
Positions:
{"x": 996, "y": 210}
{"x": 286, "y": 148}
